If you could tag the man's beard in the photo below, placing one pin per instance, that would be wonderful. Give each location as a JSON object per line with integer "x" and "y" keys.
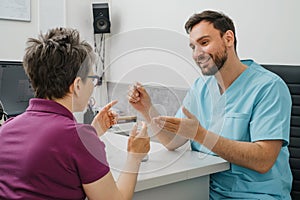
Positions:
{"x": 219, "y": 60}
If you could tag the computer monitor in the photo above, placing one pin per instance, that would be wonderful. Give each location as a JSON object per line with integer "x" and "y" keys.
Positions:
{"x": 15, "y": 88}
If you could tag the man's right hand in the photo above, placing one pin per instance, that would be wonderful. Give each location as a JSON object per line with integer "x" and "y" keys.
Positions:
{"x": 139, "y": 99}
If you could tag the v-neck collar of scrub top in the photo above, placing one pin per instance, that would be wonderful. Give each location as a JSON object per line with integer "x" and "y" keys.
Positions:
{"x": 213, "y": 85}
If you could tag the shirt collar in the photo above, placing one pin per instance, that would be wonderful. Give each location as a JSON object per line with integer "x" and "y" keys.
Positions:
{"x": 49, "y": 106}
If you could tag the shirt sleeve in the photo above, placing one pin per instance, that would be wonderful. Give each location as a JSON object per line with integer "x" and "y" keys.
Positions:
{"x": 90, "y": 155}
{"x": 271, "y": 114}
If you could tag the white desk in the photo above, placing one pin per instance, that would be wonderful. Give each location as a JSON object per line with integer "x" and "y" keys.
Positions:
{"x": 180, "y": 174}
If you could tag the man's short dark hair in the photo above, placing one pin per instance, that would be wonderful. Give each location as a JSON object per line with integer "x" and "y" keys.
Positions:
{"x": 219, "y": 20}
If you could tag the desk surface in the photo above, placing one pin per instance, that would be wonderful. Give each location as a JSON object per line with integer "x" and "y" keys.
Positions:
{"x": 163, "y": 166}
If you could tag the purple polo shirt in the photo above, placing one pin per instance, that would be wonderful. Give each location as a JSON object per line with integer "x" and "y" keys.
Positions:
{"x": 46, "y": 154}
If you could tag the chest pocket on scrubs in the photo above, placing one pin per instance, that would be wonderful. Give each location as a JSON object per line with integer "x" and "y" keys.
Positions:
{"x": 236, "y": 126}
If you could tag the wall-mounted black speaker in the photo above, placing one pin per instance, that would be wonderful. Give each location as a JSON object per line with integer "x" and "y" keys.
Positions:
{"x": 101, "y": 18}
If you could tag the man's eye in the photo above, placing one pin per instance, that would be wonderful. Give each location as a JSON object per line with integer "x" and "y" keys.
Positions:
{"x": 204, "y": 43}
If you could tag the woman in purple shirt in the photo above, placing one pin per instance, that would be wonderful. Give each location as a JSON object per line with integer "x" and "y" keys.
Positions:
{"x": 45, "y": 153}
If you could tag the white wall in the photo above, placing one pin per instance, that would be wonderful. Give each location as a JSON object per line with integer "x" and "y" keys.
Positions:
{"x": 13, "y": 35}
{"x": 148, "y": 42}
{"x": 45, "y": 14}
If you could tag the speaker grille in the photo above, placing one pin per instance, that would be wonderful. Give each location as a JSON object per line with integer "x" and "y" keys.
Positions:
{"x": 101, "y": 18}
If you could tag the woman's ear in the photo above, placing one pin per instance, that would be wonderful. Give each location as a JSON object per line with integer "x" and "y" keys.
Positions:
{"x": 76, "y": 86}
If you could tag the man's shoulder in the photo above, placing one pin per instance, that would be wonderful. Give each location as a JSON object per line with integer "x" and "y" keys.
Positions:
{"x": 261, "y": 75}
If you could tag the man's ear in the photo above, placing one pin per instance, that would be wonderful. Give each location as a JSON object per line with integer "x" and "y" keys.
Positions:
{"x": 76, "y": 86}
{"x": 229, "y": 38}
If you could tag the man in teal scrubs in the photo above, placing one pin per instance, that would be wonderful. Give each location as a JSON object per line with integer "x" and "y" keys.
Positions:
{"x": 238, "y": 110}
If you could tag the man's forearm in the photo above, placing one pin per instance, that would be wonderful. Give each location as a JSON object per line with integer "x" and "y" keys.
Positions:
{"x": 259, "y": 156}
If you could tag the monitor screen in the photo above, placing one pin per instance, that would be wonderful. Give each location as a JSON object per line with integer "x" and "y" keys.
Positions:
{"x": 15, "y": 88}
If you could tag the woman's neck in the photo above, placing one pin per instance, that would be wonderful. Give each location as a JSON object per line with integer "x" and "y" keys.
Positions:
{"x": 66, "y": 102}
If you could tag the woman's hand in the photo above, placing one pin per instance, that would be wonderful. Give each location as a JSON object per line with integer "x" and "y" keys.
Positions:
{"x": 105, "y": 118}
{"x": 138, "y": 142}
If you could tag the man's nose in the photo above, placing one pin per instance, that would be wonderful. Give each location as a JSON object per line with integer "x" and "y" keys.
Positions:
{"x": 202, "y": 57}
{"x": 198, "y": 51}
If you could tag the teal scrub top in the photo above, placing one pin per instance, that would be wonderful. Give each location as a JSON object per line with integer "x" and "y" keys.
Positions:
{"x": 256, "y": 106}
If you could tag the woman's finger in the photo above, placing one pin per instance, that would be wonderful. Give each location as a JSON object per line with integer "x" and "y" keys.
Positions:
{"x": 109, "y": 105}
{"x": 133, "y": 132}
{"x": 143, "y": 132}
